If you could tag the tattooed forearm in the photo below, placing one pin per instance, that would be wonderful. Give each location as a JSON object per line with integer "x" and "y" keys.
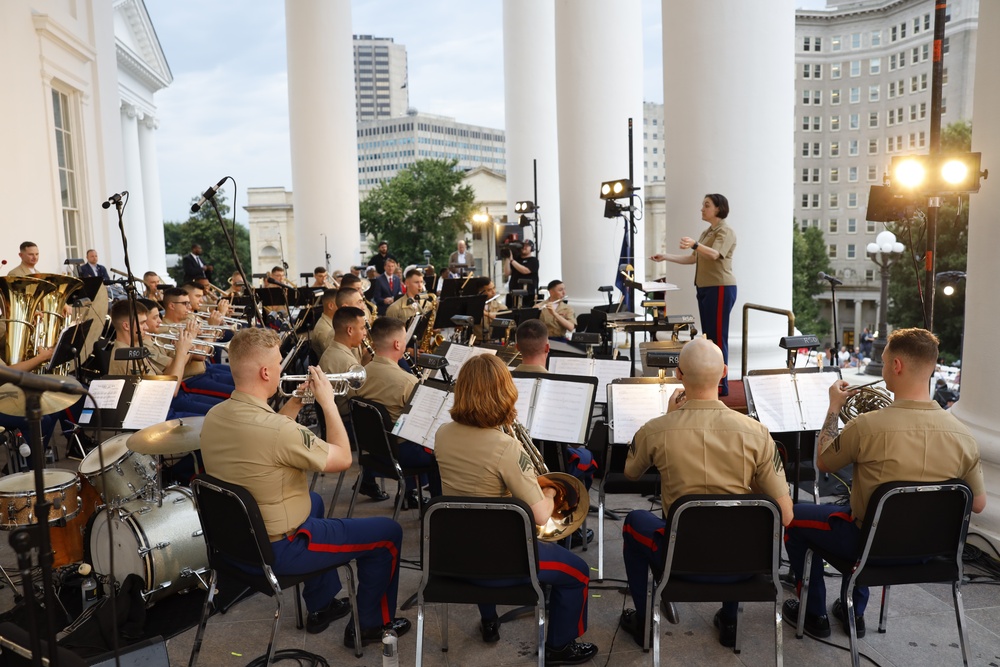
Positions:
{"x": 828, "y": 433}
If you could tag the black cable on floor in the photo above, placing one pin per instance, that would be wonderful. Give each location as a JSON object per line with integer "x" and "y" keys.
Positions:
{"x": 303, "y": 658}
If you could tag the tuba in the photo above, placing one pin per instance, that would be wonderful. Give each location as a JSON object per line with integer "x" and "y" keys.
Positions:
{"x": 50, "y": 311}
{"x": 20, "y": 297}
{"x": 572, "y": 502}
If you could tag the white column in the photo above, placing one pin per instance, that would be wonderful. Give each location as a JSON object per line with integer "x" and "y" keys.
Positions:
{"x": 323, "y": 133}
{"x": 529, "y": 65}
{"x": 980, "y": 381}
{"x": 858, "y": 322}
{"x": 599, "y": 87}
{"x": 135, "y": 212}
{"x": 155, "y": 243}
{"x": 728, "y": 129}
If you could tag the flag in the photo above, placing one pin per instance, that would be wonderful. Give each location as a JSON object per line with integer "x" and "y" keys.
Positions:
{"x": 625, "y": 258}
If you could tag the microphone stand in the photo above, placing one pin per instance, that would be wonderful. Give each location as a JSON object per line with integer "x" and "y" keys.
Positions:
{"x": 247, "y": 285}
{"x": 836, "y": 343}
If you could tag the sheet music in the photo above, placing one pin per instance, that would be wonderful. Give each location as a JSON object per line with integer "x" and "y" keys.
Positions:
{"x": 605, "y": 370}
{"x": 632, "y": 405}
{"x": 107, "y": 393}
{"x": 525, "y": 394}
{"x": 814, "y": 397}
{"x": 571, "y": 366}
{"x": 783, "y": 409}
{"x": 150, "y": 404}
{"x": 443, "y": 417}
{"x": 416, "y": 423}
{"x": 650, "y": 287}
{"x": 457, "y": 355}
{"x": 561, "y": 412}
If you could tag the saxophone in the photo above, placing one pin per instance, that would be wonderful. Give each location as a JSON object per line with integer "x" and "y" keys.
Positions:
{"x": 572, "y": 501}
{"x": 429, "y": 341}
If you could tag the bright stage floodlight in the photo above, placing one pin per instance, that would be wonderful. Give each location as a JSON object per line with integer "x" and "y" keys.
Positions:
{"x": 619, "y": 189}
{"x": 524, "y": 207}
{"x": 938, "y": 174}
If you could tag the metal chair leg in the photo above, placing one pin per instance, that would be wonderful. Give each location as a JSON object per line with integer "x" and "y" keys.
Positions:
{"x": 778, "y": 648}
{"x": 336, "y": 494}
{"x": 804, "y": 594}
{"x": 352, "y": 594}
{"x": 883, "y": 614}
{"x": 354, "y": 496}
{"x": 852, "y": 629}
{"x": 420, "y": 635}
{"x": 963, "y": 635}
{"x": 200, "y": 635}
{"x": 739, "y": 628}
{"x": 540, "y": 622}
{"x": 299, "y": 620}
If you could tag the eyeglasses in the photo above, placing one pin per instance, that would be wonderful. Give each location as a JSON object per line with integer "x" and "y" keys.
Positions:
{"x": 186, "y": 304}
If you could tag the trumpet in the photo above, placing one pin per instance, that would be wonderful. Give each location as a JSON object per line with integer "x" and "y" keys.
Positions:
{"x": 158, "y": 340}
{"x": 342, "y": 383}
{"x": 231, "y": 323}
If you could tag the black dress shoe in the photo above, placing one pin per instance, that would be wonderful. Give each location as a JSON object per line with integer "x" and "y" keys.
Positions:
{"x": 373, "y": 491}
{"x": 372, "y": 635}
{"x": 859, "y": 620}
{"x": 571, "y": 654}
{"x": 631, "y": 623}
{"x": 318, "y": 621}
{"x": 727, "y": 629}
{"x": 576, "y": 539}
{"x": 490, "y": 630}
{"x": 814, "y": 626}
{"x": 414, "y": 499}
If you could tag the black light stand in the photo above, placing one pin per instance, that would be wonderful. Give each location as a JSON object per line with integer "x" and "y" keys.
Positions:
{"x": 631, "y": 243}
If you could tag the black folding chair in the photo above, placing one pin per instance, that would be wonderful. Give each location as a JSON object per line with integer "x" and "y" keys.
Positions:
{"x": 720, "y": 535}
{"x": 895, "y": 551}
{"x": 503, "y": 530}
{"x": 375, "y": 453}
{"x": 235, "y": 535}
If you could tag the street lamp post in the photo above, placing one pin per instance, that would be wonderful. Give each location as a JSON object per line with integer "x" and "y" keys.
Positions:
{"x": 884, "y": 252}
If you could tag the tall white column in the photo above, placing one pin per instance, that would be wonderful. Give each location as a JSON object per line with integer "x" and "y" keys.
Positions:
{"x": 980, "y": 381}
{"x": 599, "y": 87}
{"x": 858, "y": 322}
{"x": 155, "y": 243}
{"x": 529, "y": 66}
{"x": 135, "y": 212}
{"x": 323, "y": 131}
{"x": 728, "y": 129}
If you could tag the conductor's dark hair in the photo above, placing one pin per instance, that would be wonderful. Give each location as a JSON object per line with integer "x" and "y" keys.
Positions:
{"x": 721, "y": 203}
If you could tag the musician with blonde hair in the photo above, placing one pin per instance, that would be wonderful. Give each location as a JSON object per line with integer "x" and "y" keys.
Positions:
{"x": 477, "y": 459}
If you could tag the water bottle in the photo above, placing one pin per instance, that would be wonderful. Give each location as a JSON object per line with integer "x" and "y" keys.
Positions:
{"x": 88, "y": 587}
{"x": 390, "y": 657}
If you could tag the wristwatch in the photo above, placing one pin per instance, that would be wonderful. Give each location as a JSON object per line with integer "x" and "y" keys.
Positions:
{"x": 695, "y": 246}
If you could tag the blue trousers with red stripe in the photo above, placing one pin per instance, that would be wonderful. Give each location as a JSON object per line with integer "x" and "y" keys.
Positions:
{"x": 714, "y": 305}
{"x": 581, "y": 464}
{"x": 830, "y": 528}
{"x": 569, "y": 577}
{"x": 205, "y": 384}
{"x": 644, "y": 548}
{"x": 373, "y": 543}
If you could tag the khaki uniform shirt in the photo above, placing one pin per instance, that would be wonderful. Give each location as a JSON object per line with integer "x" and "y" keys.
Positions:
{"x": 484, "y": 462}
{"x": 556, "y": 330}
{"x": 531, "y": 368}
{"x": 243, "y": 441}
{"x": 908, "y": 441}
{"x": 156, "y": 362}
{"x": 339, "y": 358}
{"x": 321, "y": 334}
{"x": 710, "y": 273}
{"x": 704, "y": 447}
{"x": 403, "y": 309}
{"x": 21, "y": 270}
{"x": 388, "y": 385}
{"x": 195, "y": 364}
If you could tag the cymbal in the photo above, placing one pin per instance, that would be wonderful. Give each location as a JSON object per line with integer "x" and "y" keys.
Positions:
{"x": 176, "y": 436}
{"x": 12, "y": 400}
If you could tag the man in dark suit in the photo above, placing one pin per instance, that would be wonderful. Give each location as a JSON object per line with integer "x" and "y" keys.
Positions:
{"x": 92, "y": 269}
{"x": 194, "y": 268}
{"x": 387, "y": 287}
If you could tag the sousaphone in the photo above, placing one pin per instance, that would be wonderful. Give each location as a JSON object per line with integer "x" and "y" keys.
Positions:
{"x": 20, "y": 297}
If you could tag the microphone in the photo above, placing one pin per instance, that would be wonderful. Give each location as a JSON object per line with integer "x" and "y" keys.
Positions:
{"x": 208, "y": 194}
{"x": 33, "y": 382}
{"x": 273, "y": 281}
{"x": 115, "y": 199}
{"x": 833, "y": 279}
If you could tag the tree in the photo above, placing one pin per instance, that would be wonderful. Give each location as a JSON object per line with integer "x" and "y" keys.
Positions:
{"x": 423, "y": 207}
{"x": 809, "y": 257}
{"x": 203, "y": 228}
{"x": 907, "y": 275}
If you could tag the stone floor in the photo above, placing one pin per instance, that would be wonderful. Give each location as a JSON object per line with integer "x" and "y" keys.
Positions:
{"x": 922, "y": 628}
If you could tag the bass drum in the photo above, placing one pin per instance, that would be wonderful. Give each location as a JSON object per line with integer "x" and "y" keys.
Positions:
{"x": 163, "y": 545}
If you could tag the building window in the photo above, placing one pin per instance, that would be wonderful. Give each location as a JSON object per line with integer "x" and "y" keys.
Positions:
{"x": 834, "y": 123}
{"x": 902, "y": 59}
{"x": 832, "y": 224}
{"x": 831, "y": 251}
{"x": 872, "y": 172}
{"x": 834, "y": 175}
{"x": 944, "y": 76}
{"x": 805, "y": 149}
{"x": 815, "y": 200}
{"x": 851, "y": 251}
{"x": 852, "y": 200}
{"x": 852, "y": 225}
{"x": 805, "y": 123}
{"x": 835, "y": 43}
{"x": 872, "y": 119}
{"x": 806, "y": 71}
{"x": 854, "y": 122}
{"x": 835, "y": 96}
{"x": 66, "y": 155}
{"x": 890, "y": 144}
{"x": 873, "y": 146}
{"x": 873, "y": 93}
{"x": 923, "y": 138}
{"x": 834, "y": 70}
{"x": 855, "y": 68}
{"x": 902, "y": 30}
{"x": 869, "y": 275}
{"x": 834, "y": 203}
{"x": 852, "y": 174}
{"x": 855, "y": 95}
{"x": 876, "y": 38}
{"x": 874, "y": 65}
{"x": 852, "y": 147}
{"x": 856, "y": 40}
{"x": 817, "y": 124}
{"x": 945, "y": 46}
{"x": 944, "y": 105}
{"x": 927, "y": 21}
{"x": 817, "y": 151}
{"x": 893, "y": 34}
{"x": 834, "y": 149}
{"x": 805, "y": 201}
{"x": 869, "y": 226}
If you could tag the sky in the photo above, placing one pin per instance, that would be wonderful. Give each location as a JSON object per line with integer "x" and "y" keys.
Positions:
{"x": 226, "y": 112}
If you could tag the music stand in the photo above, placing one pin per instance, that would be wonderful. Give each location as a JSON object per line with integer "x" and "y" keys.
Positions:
{"x": 67, "y": 349}
{"x": 521, "y": 315}
{"x": 472, "y": 306}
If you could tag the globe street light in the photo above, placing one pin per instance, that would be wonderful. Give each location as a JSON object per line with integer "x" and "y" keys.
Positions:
{"x": 884, "y": 251}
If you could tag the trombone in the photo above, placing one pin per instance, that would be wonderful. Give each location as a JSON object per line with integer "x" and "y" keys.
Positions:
{"x": 159, "y": 341}
{"x": 354, "y": 378}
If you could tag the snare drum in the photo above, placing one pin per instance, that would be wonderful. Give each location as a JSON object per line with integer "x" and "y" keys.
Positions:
{"x": 163, "y": 545}
{"x": 17, "y": 497}
{"x": 126, "y": 475}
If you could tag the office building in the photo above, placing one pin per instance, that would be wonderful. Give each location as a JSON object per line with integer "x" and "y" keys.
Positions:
{"x": 379, "y": 78}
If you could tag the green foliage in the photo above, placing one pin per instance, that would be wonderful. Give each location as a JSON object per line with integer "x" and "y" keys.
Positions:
{"x": 907, "y": 275}
{"x": 203, "y": 228}
{"x": 809, "y": 257}
{"x": 423, "y": 207}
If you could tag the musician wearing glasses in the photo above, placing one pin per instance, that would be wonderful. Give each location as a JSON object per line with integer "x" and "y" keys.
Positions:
{"x": 243, "y": 441}
{"x": 477, "y": 459}
{"x": 557, "y": 315}
{"x": 911, "y": 440}
{"x": 28, "y": 252}
{"x": 699, "y": 446}
{"x": 199, "y": 377}
{"x": 712, "y": 255}
{"x": 410, "y": 304}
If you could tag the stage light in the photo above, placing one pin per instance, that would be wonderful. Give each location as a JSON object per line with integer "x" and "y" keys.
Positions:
{"x": 909, "y": 173}
{"x": 948, "y": 290}
{"x": 949, "y": 281}
{"x": 481, "y": 217}
{"x": 954, "y": 172}
{"x": 524, "y": 207}
{"x": 938, "y": 174}
{"x": 616, "y": 189}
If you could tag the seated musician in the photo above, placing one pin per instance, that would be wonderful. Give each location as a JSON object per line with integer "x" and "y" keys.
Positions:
{"x": 390, "y": 386}
{"x": 321, "y": 279}
{"x": 319, "y": 337}
{"x": 344, "y": 346}
{"x": 699, "y": 446}
{"x": 151, "y": 289}
{"x": 218, "y": 314}
{"x": 28, "y": 252}
{"x": 477, "y": 459}
{"x": 410, "y": 304}
{"x": 557, "y": 315}
{"x": 235, "y": 286}
{"x": 350, "y": 281}
{"x": 17, "y": 422}
{"x": 533, "y": 344}
{"x": 199, "y": 377}
{"x": 277, "y": 274}
{"x": 243, "y": 441}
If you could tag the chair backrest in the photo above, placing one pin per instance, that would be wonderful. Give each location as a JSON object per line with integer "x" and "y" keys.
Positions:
{"x": 370, "y": 430}
{"x": 724, "y": 534}
{"x": 917, "y": 520}
{"x": 231, "y": 521}
{"x": 502, "y": 530}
